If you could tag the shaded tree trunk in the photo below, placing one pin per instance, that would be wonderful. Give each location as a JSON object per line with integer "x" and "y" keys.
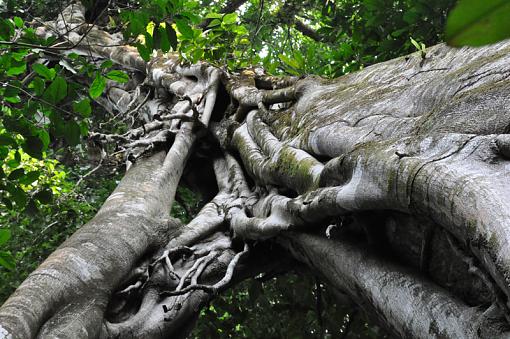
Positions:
{"x": 390, "y": 183}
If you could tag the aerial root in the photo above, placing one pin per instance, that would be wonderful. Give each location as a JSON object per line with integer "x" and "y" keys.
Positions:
{"x": 194, "y": 272}
{"x": 203, "y": 256}
{"x": 162, "y": 137}
{"x": 213, "y": 289}
{"x": 143, "y": 273}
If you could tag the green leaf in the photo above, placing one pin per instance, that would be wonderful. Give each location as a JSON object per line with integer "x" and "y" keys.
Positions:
{"x": 106, "y": 64}
{"x": 149, "y": 41}
{"x": 16, "y": 174}
{"x": 84, "y": 128}
{"x": 214, "y": 23}
{"x": 44, "y": 71}
{"x": 197, "y": 54}
{"x": 33, "y": 146}
{"x": 411, "y": 16}
{"x": 6, "y": 29}
{"x": 230, "y": 18}
{"x": 57, "y": 124}
{"x": 31, "y": 208}
{"x": 17, "y": 68}
{"x": 12, "y": 88}
{"x": 164, "y": 42}
{"x": 13, "y": 99}
{"x": 7, "y": 203}
{"x": 18, "y": 21}
{"x": 214, "y": 16}
{"x": 18, "y": 124}
{"x": 299, "y": 59}
{"x": 415, "y": 44}
{"x": 97, "y": 87}
{"x": 83, "y": 107}
{"x": 118, "y": 76}
{"x": 183, "y": 28}
{"x": 12, "y": 163}
{"x": 476, "y": 23}
{"x": 6, "y": 139}
{"x": 56, "y": 91}
{"x": 240, "y": 30}
{"x": 45, "y": 196}
{"x": 11, "y": 91}
{"x": 18, "y": 195}
{"x": 137, "y": 23}
{"x": 72, "y": 133}
{"x": 44, "y": 137}
{"x": 37, "y": 85}
{"x": 4, "y": 151}
{"x": 289, "y": 61}
{"x": 145, "y": 53}
{"x": 5, "y": 235}
{"x": 172, "y": 36}
{"x": 156, "y": 37}
{"x": 7, "y": 260}
{"x": 29, "y": 177}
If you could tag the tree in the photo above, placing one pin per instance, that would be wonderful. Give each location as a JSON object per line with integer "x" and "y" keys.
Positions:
{"x": 369, "y": 181}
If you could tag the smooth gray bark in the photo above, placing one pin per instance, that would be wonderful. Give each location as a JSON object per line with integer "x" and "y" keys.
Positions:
{"x": 403, "y": 166}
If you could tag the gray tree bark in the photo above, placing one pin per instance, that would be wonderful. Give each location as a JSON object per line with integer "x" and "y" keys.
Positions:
{"x": 391, "y": 183}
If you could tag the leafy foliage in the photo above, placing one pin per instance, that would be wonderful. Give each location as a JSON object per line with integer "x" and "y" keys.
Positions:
{"x": 477, "y": 23}
{"x": 27, "y": 238}
{"x": 292, "y": 306}
{"x": 347, "y": 36}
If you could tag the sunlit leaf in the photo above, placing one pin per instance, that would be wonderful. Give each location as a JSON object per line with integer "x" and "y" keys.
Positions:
{"x": 18, "y": 21}
{"x": 230, "y": 18}
{"x": 214, "y": 16}
{"x": 118, "y": 76}
{"x": 97, "y": 87}
{"x": 17, "y": 68}
{"x": 44, "y": 137}
{"x": 5, "y": 235}
{"x": 45, "y": 72}
{"x": 183, "y": 28}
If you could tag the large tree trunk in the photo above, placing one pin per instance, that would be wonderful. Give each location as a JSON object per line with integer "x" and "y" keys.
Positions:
{"x": 391, "y": 184}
